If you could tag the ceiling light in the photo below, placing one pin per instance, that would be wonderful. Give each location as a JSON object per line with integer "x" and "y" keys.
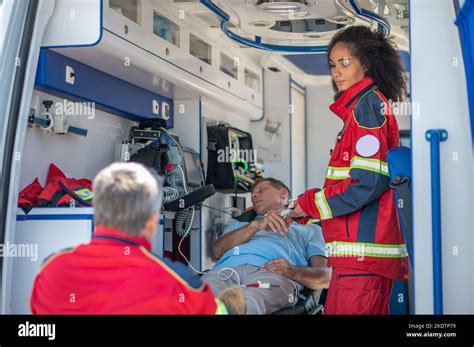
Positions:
{"x": 279, "y": 6}
{"x": 342, "y": 19}
{"x": 260, "y": 24}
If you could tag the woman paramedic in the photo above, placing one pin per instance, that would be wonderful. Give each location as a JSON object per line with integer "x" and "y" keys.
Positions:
{"x": 356, "y": 207}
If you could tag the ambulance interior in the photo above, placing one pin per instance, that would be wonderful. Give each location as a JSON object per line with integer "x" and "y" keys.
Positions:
{"x": 257, "y": 68}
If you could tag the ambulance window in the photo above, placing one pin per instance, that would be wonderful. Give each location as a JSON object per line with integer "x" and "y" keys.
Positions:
{"x": 130, "y": 9}
{"x": 252, "y": 79}
{"x": 165, "y": 29}
{"x": 200, "y": 49}
{"x": 229, "y": 66}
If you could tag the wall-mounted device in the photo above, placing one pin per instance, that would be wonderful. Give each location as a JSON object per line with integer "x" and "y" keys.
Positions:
{"x": 231, "y": 165}
{"x": 59, "y": 123}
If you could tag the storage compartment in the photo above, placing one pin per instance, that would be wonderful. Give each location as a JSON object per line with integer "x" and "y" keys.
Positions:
{"x": 166, "y": 29}
{"x": 130, "y": 9}
{"x": 41, "y": 233}
{"x": 200, "y": 49}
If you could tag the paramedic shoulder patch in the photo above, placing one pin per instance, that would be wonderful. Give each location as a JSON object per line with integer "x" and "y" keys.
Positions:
{"x": 370, "y": 111}
{"x": 367, "y": 146}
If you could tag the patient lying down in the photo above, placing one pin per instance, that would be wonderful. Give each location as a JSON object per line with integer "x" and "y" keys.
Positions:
{"x": 270, "y": 257}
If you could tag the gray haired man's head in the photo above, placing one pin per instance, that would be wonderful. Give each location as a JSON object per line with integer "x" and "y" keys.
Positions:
{"x": 126, "y": 195}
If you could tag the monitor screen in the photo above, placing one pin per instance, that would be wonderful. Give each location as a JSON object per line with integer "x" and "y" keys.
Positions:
{"x": 194, "y": 172}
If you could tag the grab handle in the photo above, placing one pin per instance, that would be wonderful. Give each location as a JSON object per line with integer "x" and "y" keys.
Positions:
{"x": 435, "y": 136}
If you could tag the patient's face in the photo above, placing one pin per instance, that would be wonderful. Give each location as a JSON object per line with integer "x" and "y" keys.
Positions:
{"x": 266, "y": 198}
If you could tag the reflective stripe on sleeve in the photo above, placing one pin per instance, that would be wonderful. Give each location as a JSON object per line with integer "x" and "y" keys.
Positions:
{"x": 338, "y": 173}
{"x": 322, "y": 205}
{"x": 374, "y": 165}
{"x": 337, "y": 249}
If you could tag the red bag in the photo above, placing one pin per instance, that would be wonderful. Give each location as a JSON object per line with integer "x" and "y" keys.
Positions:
{"x": 29, "y": 195}
{"x": 59, "y": 191}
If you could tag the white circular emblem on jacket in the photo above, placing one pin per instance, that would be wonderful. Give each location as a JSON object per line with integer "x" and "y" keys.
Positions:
{"x": 367, "y": 146}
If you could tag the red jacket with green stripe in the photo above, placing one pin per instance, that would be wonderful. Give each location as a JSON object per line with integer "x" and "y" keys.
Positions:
{"x": 356, "y": 205}
{"x": 117, "y": 274}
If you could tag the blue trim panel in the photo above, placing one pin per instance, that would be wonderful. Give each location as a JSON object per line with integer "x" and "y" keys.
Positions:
{"x": 23, "y": 218}
{"x": 384, "y": 25}
{"x": 109, "y": 93}
{"x": 270, "y": 47}
{"x": 412, "y": 300}
{"x": 317, "y": 64}
{"x": 200, "y": 210}
{"x": 435, "y": 137}
{"x": 101, "y": 27}
{"x": 64, "y": 207}
{"x": 465, "y": 23}
{"x": 290, "y": 100}
{"x": 31, "y": 217}
{"x": 406, "y": 61}
{"x": 306, "y": 141}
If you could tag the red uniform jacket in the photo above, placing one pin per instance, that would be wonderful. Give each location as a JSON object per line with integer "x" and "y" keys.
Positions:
{"x": 356, "y": 205}
{"x": 117, "y": 274}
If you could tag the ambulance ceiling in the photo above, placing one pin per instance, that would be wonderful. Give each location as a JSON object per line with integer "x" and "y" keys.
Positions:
{"x": 298, "y": 26}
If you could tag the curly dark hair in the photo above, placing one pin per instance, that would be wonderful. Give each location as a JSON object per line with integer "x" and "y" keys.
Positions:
{"x": 378, "y": 55}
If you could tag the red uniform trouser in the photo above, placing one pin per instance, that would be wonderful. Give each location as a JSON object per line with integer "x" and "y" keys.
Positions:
{"x": 353, "y": 291}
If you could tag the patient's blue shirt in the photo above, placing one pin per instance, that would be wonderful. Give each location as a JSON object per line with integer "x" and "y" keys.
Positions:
{"x": 297, "y": 246}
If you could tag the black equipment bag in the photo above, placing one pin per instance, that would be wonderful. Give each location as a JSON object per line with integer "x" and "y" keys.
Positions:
{"x": 220, "y": 173}
{"x": 154, "y": 156}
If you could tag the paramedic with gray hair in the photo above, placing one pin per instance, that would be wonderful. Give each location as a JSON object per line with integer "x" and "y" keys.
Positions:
{"x": 116, "y": 273}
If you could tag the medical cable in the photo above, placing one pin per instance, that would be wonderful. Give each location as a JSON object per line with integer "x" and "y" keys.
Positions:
{"x": 185, "y": 186}
{"x": 182, "y": 222}
{"x": 177, "y": 144}
{"x": 217, "y": 209}
{"x": 181, "y": 242}
{"x": 188, "y": 229}
{"x": 232, "y": 272}
{"x": 170, "y": 194}
{"x": 258, "y": 284}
